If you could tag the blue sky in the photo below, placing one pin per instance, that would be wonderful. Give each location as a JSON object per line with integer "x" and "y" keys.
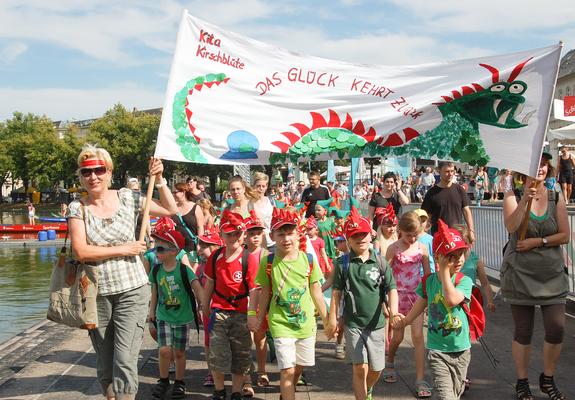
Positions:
{"x": 71, "y": 59}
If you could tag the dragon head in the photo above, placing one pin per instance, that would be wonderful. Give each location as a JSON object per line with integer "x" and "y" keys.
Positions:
{"x": 499, "y": 105}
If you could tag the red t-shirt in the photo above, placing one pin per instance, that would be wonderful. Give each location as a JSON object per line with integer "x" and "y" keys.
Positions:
{"x": 229, "y": 280}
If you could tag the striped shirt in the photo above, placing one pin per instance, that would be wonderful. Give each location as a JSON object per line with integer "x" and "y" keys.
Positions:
{"x": 116, "y": 274}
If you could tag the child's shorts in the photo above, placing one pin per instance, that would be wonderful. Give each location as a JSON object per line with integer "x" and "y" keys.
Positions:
{"x": 175, "y": 336}
{"x": 230, "y": 343}
{"x": 449, "y": 372}
{"x": 292, "y": 351}
{"x": 364, "y": 346}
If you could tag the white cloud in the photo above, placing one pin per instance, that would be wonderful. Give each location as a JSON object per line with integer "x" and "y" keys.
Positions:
{"x": 65, "y": 104}
{"x": 10, "y": 52}
{"x": 491, "y": 16}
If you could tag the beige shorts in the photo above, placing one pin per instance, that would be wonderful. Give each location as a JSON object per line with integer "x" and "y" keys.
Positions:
{"x": 292, "y": 351}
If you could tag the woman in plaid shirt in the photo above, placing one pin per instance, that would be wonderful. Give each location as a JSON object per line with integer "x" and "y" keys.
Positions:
{"x": 102, "y": 228}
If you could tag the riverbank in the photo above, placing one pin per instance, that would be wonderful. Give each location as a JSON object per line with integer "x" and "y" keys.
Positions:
{"x": 54, "y": 362}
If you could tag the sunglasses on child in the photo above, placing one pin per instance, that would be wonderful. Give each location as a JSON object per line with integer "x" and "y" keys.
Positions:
{"x": 162, "y": 249}
{"x": 87, "y": 172}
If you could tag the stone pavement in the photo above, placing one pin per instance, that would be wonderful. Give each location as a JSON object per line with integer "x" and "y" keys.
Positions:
{"x": 54, "y": 362}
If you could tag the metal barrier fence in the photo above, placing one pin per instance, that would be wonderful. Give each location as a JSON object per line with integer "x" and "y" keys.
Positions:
{"x": 491, "y": 236}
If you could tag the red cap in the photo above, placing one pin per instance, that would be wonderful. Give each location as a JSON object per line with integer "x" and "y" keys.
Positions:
{"x": 253, "y": 221}
{"x": 386, "y": 215}
{"x": 172, "y": 236}
{"x": 211, "y": 236}
{"x": 311, "y": 222}
{"x": 355, "y": 223}
{"x": 232, "y": 221}
{"x": 281, "y": 217}
{"x": 164, "y": 224}
{"x": 446, "y": 240}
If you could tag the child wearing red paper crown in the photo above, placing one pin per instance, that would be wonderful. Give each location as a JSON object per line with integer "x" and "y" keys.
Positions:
{"x": 448, "y": 338}
{"x": 386, "y": 222}
{"x": 171, "y": 308}
{"x": 229, "y": 280}
{"x": 209, "y": 242}
{"x": 318, "y": 245}
{"x": 290, "y": 287}
{"x": 365, "y": 282}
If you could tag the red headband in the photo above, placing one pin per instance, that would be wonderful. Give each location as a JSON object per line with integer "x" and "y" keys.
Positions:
{"x": 93, "y": 162}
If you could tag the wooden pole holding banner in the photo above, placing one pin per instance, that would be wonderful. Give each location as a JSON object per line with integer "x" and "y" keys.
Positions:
{"x": 525, "y": 221}
{"x": 146, "y": 212}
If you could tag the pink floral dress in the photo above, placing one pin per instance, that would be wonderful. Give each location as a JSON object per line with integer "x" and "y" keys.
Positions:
{"x": 406, "y": 271}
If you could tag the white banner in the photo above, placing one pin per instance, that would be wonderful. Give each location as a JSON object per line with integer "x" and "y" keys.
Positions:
{"x": 231, "y": 99}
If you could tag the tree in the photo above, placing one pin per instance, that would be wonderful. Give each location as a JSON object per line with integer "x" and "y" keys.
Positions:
{"x": 32, "y": 144}
{"x": 129, "y": 137}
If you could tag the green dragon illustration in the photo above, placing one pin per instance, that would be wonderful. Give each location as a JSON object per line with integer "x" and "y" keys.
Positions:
{"x": 292, "y": 304}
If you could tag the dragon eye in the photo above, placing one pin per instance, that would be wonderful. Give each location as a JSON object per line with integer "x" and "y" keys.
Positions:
{"x": 497, "y": 88}
{"x": 516, "y": 88}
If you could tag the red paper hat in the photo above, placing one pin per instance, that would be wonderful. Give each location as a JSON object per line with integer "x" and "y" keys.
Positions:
{"x": 311, "y": 222}
{"x": 281, "y": 217}
{"x": 211, "y": 236}
{"x": 164, "y": 224}
{"x": 446, "y": 240}
{"x": 172, "y": 236}
{"x": 232, "y": 221}
{"x": 355, "y": 223}
{"x": 253, "y": 222}
{"x": 386, "y": 215}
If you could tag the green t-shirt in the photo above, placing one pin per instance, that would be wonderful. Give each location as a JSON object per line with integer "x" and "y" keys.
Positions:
{"x": 291, "y": 314}
{"x": 363, "y": 281}
{"x": 448, "y": 328}
{"x": 326, "y": 229}
{"x": 174, "y": 304}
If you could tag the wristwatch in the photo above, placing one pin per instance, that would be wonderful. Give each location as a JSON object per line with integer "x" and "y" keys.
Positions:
{"x": 544, "y": 241}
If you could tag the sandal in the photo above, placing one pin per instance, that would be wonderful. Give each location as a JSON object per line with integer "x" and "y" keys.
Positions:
{"x": 389, "y": 373}
{"x": 424, "y": 389}
{"x": 522, "y": 390}
{"x": 547, "y": 386}
{"x": 263, "y": 380}
{"x": 248, "y": 390}
{"x": 208, "y": 381}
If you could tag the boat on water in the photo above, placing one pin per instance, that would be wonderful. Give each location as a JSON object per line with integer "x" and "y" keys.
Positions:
{"x": 56, "y": 226}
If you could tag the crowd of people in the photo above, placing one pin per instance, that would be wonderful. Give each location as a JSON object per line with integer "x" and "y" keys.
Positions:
{"x": 272, "y": 260}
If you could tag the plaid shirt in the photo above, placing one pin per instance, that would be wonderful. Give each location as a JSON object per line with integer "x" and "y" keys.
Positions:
{"x": 116, "y": 274}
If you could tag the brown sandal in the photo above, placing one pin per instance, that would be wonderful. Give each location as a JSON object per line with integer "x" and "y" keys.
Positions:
{"x": 263, "y": 380}
{"x": 248, "y": 390}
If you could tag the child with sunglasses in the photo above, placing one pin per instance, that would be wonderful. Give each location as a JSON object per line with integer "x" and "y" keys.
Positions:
{"x": 171, "y": 307}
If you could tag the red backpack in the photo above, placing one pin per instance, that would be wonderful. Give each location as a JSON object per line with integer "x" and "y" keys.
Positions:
{"x": 474, "y": 311}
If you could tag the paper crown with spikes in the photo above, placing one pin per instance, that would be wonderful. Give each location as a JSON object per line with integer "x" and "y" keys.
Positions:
{"x": 311, "y": 222}
{"x": 355, "y": 224}
{"x": 281, "y": 217}
{"x": 171, "y": 236}
{"x": 447, "y": 240}
{"x": 325, "y": 203}
{"x": 340, "y": 213}
{"x": 386, "y": 215}
{"x": 211, "y": 236}
{"x": 164, "y": 224}
{"x": 232, "y": 221}
{"x": 254, "y": 222}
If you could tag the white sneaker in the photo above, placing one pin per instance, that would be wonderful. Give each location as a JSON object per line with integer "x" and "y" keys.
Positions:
{"x": 339, "y": 351}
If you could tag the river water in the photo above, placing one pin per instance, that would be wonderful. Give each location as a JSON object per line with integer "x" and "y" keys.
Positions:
{"x": 24, "y": 280}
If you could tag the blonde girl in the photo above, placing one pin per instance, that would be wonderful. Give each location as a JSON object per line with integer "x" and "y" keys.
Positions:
{"x": 209, "y": 212}
{"x": 243, "y": 196}
{"x": 407, "y": 256}
{"x": 387, "y": 229}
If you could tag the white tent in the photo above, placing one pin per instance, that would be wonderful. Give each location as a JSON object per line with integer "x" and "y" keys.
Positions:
{"x": 563, "y": 134}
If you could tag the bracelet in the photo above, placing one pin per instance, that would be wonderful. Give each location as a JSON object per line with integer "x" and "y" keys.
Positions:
{"x": 162, "y": 184}
{"x": 251, "y": 313}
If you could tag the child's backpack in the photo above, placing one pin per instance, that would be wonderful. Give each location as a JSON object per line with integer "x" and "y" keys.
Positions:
{"x": 187, "y": 287}
{"x": 474, "y": 311}
{"x": 383, "y": 287}
{"x": 269, "y": 264}
{"x": 233, "y": 300}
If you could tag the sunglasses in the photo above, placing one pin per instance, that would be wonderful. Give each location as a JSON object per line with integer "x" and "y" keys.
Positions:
{"x": 162, "y": 249}
{"x": 87, "y": 172}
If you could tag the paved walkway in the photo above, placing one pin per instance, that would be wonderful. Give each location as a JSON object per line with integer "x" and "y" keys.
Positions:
{"x": 54, "y": 362}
